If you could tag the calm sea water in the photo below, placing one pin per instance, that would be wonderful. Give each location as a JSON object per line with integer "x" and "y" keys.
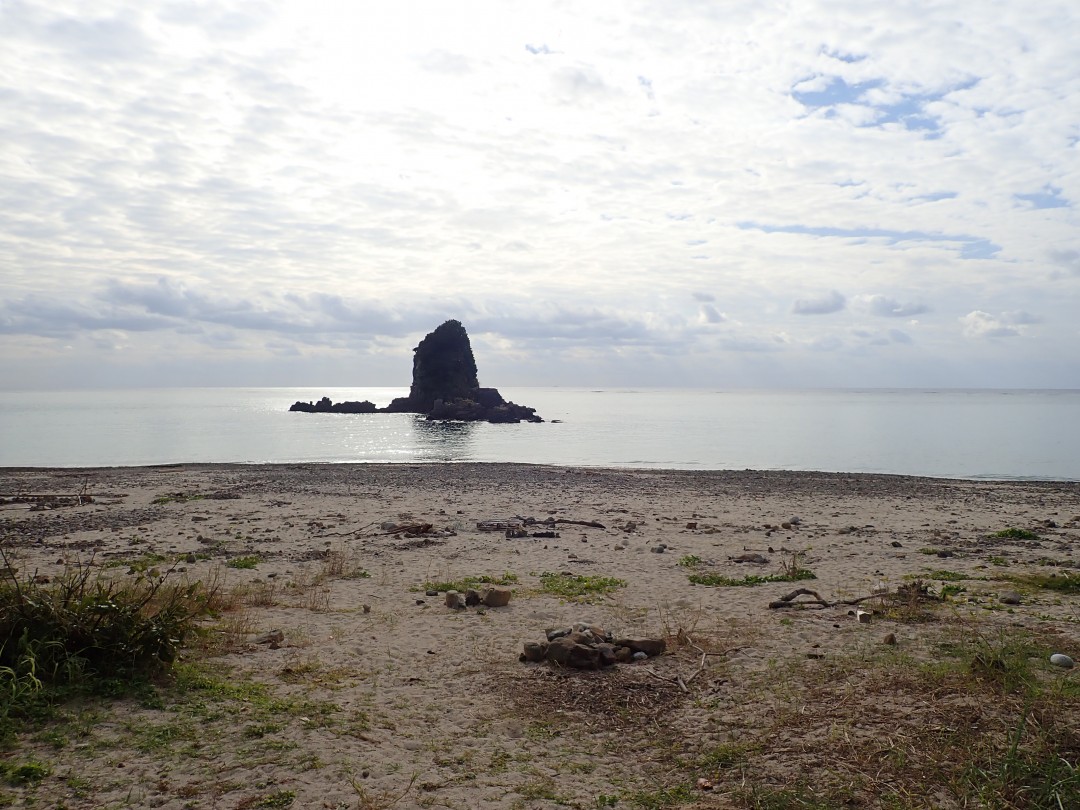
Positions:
{"x": 963, "y": 434}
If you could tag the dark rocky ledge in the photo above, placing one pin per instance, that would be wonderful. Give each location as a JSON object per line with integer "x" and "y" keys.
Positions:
{"x": 444, "y": 386}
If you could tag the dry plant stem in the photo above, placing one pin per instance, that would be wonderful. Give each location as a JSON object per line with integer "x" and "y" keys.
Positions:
{"x": 787, "y": 601}
{"x": 347, "y": 534}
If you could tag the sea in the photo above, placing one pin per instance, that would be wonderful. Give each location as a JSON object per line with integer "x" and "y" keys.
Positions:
{"x": 970, "y": 434}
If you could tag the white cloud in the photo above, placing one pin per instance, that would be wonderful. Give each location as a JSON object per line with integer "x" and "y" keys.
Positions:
{"x": 979, "y": 324}
{"x": 822, "y": 305}
{"x": 324, "y": 181}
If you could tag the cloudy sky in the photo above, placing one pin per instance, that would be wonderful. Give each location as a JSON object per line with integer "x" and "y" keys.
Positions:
{"x": 721, "y": 194}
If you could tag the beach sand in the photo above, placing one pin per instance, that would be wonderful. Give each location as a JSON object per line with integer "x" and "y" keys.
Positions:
{"x": 379, "y": 695}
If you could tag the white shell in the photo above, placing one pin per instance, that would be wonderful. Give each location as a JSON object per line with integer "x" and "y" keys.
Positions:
{"x": 1060, "y": 660}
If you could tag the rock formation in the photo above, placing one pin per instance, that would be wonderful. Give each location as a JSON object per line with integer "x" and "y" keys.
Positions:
{"x": 444, "y": 386}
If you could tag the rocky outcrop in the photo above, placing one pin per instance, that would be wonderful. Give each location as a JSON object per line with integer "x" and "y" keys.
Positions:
{"x": 444, "y": 386}
{"x": 443, "y": 369}
{"x": 324, "y": 405}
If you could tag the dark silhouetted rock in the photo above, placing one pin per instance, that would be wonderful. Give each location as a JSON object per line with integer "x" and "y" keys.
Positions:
{"x": 324, "y": 405}
{"x": 444, "y": 386}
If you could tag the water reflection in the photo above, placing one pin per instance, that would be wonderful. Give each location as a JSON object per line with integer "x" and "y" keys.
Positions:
{"x": 444, "y": 441}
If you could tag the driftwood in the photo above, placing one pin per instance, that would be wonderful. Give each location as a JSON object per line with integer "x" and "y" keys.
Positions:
{"x": 678, "y": 680}
{"x": 789, "y": 600}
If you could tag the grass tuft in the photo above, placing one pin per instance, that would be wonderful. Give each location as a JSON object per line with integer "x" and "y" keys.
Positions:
{"x": 578, "y": 587}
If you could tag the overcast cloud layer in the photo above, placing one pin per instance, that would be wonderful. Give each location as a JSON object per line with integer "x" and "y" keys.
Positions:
{"x": 733, "y": 194}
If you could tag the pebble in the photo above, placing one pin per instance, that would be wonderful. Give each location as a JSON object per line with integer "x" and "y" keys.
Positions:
{"x": 640, "y": 656}
{"x": 1009, "y": 598}
{"x": 660, "y": 549}
{"x": 1061, "y": 660}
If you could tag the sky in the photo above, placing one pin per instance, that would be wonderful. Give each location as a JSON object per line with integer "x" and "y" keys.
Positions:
{"x": 680, "y": 193}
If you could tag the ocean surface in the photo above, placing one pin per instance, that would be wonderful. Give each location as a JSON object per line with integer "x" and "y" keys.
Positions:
{"x": 948, "y": 433}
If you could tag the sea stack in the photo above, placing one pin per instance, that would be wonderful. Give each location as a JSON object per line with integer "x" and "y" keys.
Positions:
{"x": 444, "y": 386}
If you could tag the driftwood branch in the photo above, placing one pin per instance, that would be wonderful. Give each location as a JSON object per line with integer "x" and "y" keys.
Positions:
{"x": 788, "y": 601}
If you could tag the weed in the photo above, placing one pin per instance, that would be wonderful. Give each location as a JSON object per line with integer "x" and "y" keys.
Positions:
{"x": 714, "y": 580}
{"x": 28, "y": 773}
{"x": 176, "y": 497}
{"x": 1016, "y": 534}
{"x": 465, "y": 583}
{"x": 690, "y": 561}
{"x": 660, "y": 798}
{"x": 88, "y": 627}
{"x": 1064, "y": 583}
{"x": 578, "y": 587}
{"x": 245, "y": 562}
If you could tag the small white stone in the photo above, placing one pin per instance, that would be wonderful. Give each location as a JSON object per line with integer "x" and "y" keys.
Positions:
{"x": 1061, "y": 660}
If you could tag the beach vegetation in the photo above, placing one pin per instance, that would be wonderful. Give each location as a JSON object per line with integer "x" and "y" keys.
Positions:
{"x": 578, "y": 587}
{"x": 690, "y": 561}
{"x": 717, "y": 580}
{"x": 177, "y": 497}
{"x": 1016, "y": 534}
{"x": 247, "y": 561}
{"x": 948, "y": 576}
{"x": 469, "y": 582}
{"x": 1063, "y": 583}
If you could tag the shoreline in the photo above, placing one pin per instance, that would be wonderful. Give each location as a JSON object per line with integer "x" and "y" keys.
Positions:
{"x": 475, "y": 465}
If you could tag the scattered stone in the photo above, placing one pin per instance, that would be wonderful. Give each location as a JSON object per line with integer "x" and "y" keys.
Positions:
{"x": 896, "y": 544}
{"x": 1010, "y": 598}
{"x": 660, "y": 549}
{"x": 638, "y": 656}
{"x": 691, "y": 525}
{"x": 496, "y": 596}
{"x": 367, "y": 608}
{"x": 472, "y": 597}
{"x": 795, "y": 520}
{"x": 945, "y": 553}
{"x": 191, "y": 558}
{"x": 272, "y": 637}
{"x": 534, "y": 652}
{"x": 454, "y": 600}
{"x": 568, "y": 653}
{"x": 420, "y": 601}
{"x": 1061, "y": 660}
{"x": 890, "y": 639}
{"x": 431, "y": 592}
{"x": 553, "y": 634}
{"x": 652, "y": 647}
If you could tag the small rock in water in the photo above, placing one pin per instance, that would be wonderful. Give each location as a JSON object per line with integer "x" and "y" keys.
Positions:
{"x": 1061, "y": 660}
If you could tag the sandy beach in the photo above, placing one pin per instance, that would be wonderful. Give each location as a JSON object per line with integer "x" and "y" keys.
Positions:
{"x": 362, "y": 689}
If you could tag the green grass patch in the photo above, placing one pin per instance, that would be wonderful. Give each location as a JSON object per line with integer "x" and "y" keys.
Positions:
{"x": 23, "y": 774}
{"x": 245, "y": 562}
{"x": 948, "y": 576}
{"x": 578, "y": 587}
{"x": 715, "y": 580}
{"x": 1016, "y": 534}
{"x": 690, "y": 561}
{"x": 466, "y": 583}
{"x": 1063, "y": 583}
